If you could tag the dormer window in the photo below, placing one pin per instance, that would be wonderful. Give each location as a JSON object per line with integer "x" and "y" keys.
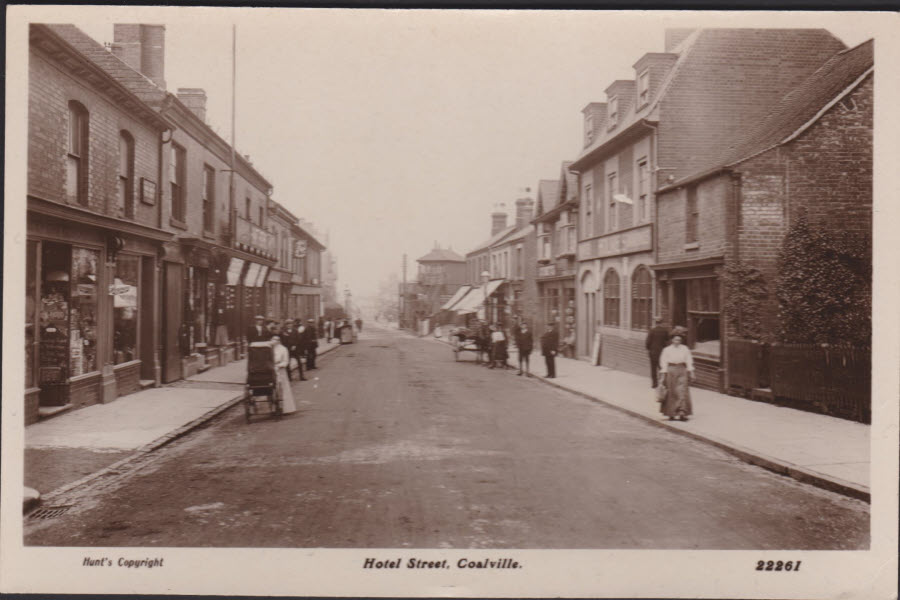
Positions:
{"x": 588, "y": 129}
{"x": 613, "y": 111}
{"x": 644, "y": 87}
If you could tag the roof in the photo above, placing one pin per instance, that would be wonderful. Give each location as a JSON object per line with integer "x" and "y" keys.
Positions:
{"x": 441, "y": 255}
{"x": 520, "y": 234}
{"x": 493, "y": 240}
{"x": 801, "y": 107}
{"x": 804, "y": 41}
{"x": 457, "y": 296}
{"x": 138, "y": 83}
{"x": 547, "y": 195}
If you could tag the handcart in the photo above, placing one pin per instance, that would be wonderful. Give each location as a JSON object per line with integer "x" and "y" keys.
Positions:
{"x": 464, "y": 340}
{"x": 262, "y": 382}
{"x": 348, "y": 336}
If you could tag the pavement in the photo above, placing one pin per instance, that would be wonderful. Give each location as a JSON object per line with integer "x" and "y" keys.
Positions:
{"x": 76, "y": 447}
{"x": 824, "y": 451}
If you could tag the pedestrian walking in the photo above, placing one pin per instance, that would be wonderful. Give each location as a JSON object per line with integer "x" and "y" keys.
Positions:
{"x": 282, "y": 382}
{"x": 498, "y": 347}
{"x": 657, "y": 339}
{"x": 292, "y": 340}
{"x": 359, "y": 325}
{"x": 676, "y": 365}
{"x": 329, "y": 330}
{"x": 483, "y": 340}
{"x": 525, "y": 344}
{"x": 258, "y": 332}
{"x": 312, "y": 343}
{"x": 549, "y": 348}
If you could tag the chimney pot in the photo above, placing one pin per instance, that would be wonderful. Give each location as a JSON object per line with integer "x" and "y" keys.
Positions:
{"x": 498, "y": 222}
{"x": 142, "y": 47}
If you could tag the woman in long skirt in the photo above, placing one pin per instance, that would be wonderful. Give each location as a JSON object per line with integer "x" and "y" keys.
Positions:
{"x": 282, "y": 362}
{"x": 676, "y": 368}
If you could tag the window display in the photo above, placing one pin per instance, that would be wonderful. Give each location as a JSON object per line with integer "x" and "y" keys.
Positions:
{"x": 124, "y": 293}
{"x": 56, "y": 264}
{"x": 83, "y": 312}
{"x": 30, "y": 285}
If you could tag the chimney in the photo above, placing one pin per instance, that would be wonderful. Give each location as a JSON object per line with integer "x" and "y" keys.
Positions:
{"x": 524, "y": 212}
{"x": 676, "y": 36}
{"x": 498, "y": 219}
{"x": 594, "y": 119}
{"x": 195, "y": 100}
{"x": 142, "y": 47}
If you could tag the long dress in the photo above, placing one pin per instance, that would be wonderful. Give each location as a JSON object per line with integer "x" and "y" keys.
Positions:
{"x": 676, "y": 362}
{"x": 282, "y": 360}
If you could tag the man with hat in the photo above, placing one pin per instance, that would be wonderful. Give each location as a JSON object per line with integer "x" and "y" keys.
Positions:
{"x": 657, "y": 339}
{"x": 258, "y": 332}
{"x": 292, "y": 340}
{"x": 311, "y": 342}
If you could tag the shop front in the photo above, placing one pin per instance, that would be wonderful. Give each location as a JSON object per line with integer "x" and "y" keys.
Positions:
{"x": 690, "y": 296}
{"x": 91, "y": 310}
{"x": 556, "y": 305}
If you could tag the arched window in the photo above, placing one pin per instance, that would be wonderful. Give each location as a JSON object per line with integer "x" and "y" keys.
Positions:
{"x": 641, "y": 298}
{"x": 611, "y": 298}
{"x": 77, "y": 154}
{"x": 125, "y": 183}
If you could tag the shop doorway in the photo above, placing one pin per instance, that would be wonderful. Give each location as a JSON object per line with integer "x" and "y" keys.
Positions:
{"x": 172, "y": 312}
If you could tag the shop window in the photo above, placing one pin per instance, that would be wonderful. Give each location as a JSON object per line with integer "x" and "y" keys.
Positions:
{"x": 177, "y": 181}
{"x": 611, "y": 299}
{"x": 77, "y": 155}
{"x": 125, "y": 184}
{"x": 56, "y": 268}
{"x": 83, "y": 312}
{"x": 30, "y": 310}
{"x": 125, "y": 308}
{"x": 198, "y": 306}
{"x": 641, "y": 299}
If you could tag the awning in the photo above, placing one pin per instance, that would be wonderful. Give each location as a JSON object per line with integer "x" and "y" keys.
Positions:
{"x": 475, "y": 298}
{"x": 462, "y": 291}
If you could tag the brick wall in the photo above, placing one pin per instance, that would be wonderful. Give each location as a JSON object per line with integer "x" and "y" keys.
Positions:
{"x": 50, "y": 90}
{"x": 85, "y": 392}
{"x": 728, "y": 82}
{"x": 625, "y": 354}
{"x": 128, "y": 379}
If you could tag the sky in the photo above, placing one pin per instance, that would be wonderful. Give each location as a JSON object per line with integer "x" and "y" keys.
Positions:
{"x": 394, "y": 130}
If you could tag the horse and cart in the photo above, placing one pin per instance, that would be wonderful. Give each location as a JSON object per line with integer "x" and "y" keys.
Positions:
{"x": 468, "y": 340}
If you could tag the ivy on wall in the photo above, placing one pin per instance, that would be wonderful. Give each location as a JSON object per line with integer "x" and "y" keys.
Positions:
{"x": 824, "y": 286}
{"x": 745, "y": 295}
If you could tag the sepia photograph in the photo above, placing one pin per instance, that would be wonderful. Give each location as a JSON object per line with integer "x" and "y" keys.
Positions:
{"x": 450, "y": 303}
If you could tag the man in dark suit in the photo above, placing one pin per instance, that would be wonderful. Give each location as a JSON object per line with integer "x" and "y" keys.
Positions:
{"x": 258, "y": 332}
{"x": 525, "y": 344}
{"x": 549, "y": 348}
{"x": 292, "y": 340}
{"x": 657, "y": 339}
{"x": 312, "y": 342}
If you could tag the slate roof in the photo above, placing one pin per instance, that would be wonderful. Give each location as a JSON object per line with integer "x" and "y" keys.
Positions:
{"x": 520, "y": 234}
{"x": 493, "y": 240}
{"x": 798, "y": 108}
{"x": 136, "y": 82}
{"x": 441, "y": 255}
{"x": 547, "y": 196}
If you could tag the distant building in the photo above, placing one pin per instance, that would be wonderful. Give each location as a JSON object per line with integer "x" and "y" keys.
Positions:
{"x": 441, "y": 272}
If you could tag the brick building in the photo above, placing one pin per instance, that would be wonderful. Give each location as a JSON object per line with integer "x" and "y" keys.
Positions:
{"x": 812, "y": 155}
{"x": 555, "y": 224}
{"x": 684, "y": 108}
{"x": 93, "y": 230}
{"x": 307, "y": 264}
{"x": 441, "y": 273}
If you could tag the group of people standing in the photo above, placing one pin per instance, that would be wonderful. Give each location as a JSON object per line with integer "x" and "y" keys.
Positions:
{"x": 493, "y": 342}
{"x": 300, "y": 341}
{"x": 671, "y": 370}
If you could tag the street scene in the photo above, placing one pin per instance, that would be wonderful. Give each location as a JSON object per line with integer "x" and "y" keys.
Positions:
{"x": 446, "y": 289}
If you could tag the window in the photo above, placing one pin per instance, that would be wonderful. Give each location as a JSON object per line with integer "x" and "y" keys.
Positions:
{"x": 643, "y": 208}
{"x": 177, "y": 175}
{"x": 209, "y": 197}
{"x": 588, "y": 128}
{"x": 588, "y": 211}
{"x": 644, "y": 87}
{"x": 519, "y": 262}
{"x": 125, "y": 308}
{"x": 611, "y": 297}
{"x": 125, "y": 191}
{"x": 247, "y": 208}
{"x": 612, "y": 219}
{"x": 261, "y": 214}
{"x": 77, "y": 155}
{"x": 692, "y": 215}
{"x": 612, "y": 108}
{"x": 641, "y": 298}
{"x": 83, "y": 311}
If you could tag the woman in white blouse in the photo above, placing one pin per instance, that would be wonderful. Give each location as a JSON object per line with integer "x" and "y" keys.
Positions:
{"x": 676, "y": 368}
{"x": 282, "y": 361}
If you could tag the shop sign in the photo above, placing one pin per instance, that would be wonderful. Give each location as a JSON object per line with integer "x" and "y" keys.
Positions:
{"x": 148, "y": 191}
{"x": 118, "y": 289}
{"x": 639, "y": 239}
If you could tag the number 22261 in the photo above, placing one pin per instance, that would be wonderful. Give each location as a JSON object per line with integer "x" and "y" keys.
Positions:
{"x": 777, "y": 565}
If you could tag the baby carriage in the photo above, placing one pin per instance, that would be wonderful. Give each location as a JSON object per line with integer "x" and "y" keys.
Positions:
{"x": 262, "y": 383}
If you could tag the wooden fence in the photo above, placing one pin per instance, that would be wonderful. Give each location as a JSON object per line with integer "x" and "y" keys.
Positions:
{"x": 832, "y": 380}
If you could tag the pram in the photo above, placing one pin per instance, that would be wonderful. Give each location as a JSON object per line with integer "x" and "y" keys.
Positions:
{"x": 262, "y": 382}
